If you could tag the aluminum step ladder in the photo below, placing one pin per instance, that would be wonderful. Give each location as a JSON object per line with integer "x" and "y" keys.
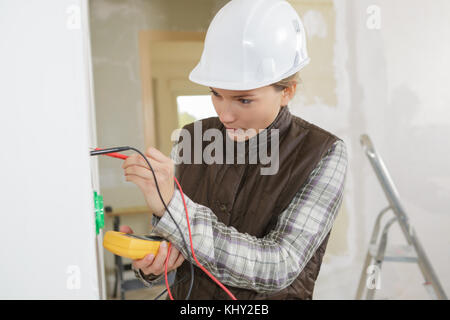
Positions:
{"x": 378, "y": 251}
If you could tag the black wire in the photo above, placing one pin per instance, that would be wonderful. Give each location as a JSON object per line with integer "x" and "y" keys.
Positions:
{"x": 170, "y": 214}
{"x": 173, "y": 285}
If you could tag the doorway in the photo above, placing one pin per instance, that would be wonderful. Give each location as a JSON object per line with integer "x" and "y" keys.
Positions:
{"x": 167, "y": 58}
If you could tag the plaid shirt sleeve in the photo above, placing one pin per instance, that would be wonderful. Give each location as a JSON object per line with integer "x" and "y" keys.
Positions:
{"x": 273, "y": 262}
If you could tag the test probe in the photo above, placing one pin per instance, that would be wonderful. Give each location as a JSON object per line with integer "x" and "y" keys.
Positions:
{"x": 136, "y": 247}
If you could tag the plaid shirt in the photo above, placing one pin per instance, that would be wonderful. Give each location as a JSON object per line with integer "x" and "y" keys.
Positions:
{"x": 267, "y": 264}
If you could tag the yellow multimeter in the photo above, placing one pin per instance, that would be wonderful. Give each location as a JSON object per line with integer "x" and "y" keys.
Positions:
{"x": 131, "y": 246}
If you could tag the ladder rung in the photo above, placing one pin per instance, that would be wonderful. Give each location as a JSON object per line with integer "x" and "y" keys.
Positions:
{"x": 401, "y": 259}
{"x": 404, "y": 253}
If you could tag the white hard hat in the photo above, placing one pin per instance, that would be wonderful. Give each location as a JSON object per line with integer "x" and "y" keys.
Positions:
{"x": 250, "y": 44}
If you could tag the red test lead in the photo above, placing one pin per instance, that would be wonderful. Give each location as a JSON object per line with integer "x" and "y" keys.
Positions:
{"x": 114, "y": 154}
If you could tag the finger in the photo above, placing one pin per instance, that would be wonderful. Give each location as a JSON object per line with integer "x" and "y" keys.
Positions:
{"x": 158, "y": 264}
{"x": 144, "y": 263}
{"x": 157, "y": 155}
{"x": 125, "y": 229}
{"x": 148, "y": 181}
{"x": 141, "y": 172}
{"x": 179, "y": 262}
{"x": 143, "y": 183}
{"x": 140, "y": 162}
{"x": 140, "y": 182}
{"x": 133, "y": 159}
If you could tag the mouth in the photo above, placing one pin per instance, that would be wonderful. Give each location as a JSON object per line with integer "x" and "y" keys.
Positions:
{"x": 233, "y": 129}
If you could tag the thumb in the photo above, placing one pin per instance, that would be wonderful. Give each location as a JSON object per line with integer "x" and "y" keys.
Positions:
{"x": 125, "y": 229}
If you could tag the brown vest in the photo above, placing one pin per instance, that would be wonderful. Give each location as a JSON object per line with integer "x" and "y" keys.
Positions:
{"x": 243, "y": 198}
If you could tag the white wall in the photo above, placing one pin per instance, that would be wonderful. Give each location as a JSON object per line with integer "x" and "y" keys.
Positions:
{"x": 392, "y": 85}
{"x": 48, "y": 242}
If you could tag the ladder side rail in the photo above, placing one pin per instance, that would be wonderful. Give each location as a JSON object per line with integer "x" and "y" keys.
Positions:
{"x": 387, "y": 185}
{"x": 369, "y": 257}
{"x": 394, "y": 201}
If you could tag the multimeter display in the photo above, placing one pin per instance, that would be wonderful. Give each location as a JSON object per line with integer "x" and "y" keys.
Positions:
{"x": 146, "y": 237}
{"x": 131, "y": 246}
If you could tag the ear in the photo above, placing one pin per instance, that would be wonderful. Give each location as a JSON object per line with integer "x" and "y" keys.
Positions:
{"x": 288, "y": 94}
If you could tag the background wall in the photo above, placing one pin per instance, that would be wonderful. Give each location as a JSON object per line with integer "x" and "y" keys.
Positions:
{"x": 115, "y": 26}
{"x": 381, "y": 77}
{"x": 391, "y": 84}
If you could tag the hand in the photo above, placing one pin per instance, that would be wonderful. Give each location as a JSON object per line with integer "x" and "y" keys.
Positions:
{"x": 137, "y": 171}
{"x": 155, "y": 265}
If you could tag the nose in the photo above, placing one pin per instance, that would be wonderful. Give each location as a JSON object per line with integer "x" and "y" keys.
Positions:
{"x": 226, "y": 115}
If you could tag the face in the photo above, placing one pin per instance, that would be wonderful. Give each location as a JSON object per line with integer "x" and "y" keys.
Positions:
{"x": 246, "y": 113}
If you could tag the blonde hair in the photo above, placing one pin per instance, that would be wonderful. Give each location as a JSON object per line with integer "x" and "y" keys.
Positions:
{"x": 287, "y": 82}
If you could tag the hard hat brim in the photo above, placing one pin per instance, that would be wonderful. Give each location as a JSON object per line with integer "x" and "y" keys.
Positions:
{"x": 198, "y": 77}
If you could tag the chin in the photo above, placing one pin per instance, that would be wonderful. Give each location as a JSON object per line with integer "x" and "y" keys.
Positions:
{"x": 237, "y": 137}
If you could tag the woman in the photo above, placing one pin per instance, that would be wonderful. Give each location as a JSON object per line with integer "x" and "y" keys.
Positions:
{"x": 262, "y": 235}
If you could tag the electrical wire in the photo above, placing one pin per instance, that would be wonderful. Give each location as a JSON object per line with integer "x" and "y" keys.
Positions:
{"x": 193, "y": 254}
{"x": 179, "y": 229}
{"x": 165, "y": 272}
{"x": 112, "y": 152}
{"x": 99, "y": 151}
{"x": 170, "y": 214}
{"x": 173, "y": 285}
{"x": 192, "y": 249}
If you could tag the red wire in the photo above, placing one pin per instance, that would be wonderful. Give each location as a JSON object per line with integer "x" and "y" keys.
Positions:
{"x": 192, "y": 248}
{"x": 165, "y": 272}
{"x": 121, "y": 156}
{"x": 114, "y": 154}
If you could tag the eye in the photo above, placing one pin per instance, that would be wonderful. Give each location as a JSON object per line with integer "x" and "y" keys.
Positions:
{"x": 214, "y": 93}
{"x": 245, "y": 101}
